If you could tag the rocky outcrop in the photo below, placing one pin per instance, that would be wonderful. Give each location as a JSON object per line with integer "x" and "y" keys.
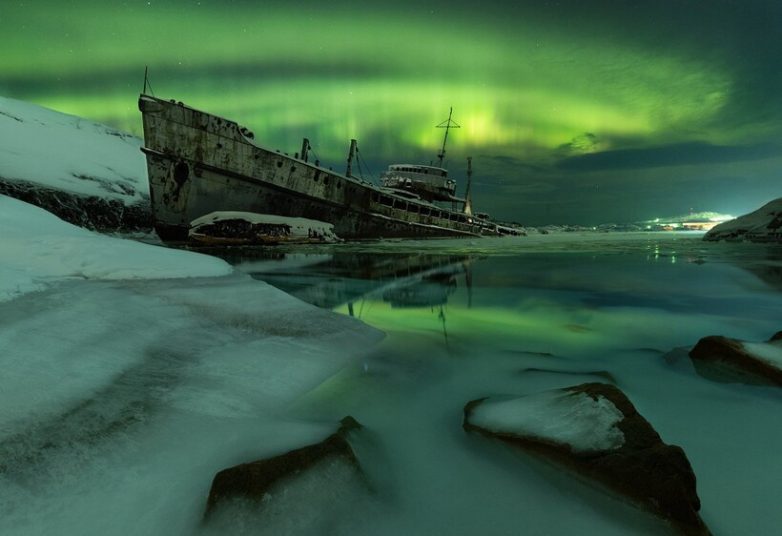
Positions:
{"x": 91, "y": 212}
{"x": 630, "y": 458}
{"x": 730, "y": 360}
{"x": 763, "y": 225}
{"x": 254, "y": 480}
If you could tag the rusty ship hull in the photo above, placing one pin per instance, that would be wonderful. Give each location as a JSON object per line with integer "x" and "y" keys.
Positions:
{"x": 200, "y": 163}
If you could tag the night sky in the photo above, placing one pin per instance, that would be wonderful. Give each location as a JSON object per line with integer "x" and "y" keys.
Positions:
{"x": 577, "y": 111}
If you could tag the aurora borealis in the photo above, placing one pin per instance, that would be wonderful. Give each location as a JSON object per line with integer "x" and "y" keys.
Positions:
{"x": 574, "y": 112}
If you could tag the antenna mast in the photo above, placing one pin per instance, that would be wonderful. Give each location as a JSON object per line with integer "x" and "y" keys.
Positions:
{"x": 467, "y": 199}
{"x": 447, "y": 125}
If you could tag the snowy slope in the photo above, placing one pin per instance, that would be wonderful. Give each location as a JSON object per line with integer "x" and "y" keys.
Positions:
{"x": 70, "y": 154}
{"x": 763, "y": 225}
{"x": 38, "y": 248}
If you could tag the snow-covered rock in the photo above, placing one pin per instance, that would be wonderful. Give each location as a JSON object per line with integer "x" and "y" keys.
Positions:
{"x": 257, "y": 480}
{"x": 595, "y": 430}
{"x": 567, "y": 418}
{"x": 763, "y": 225}
{"x": 724, "y": 359}
{"x": 245, "y": 228}
{"x": 87, "y": 173}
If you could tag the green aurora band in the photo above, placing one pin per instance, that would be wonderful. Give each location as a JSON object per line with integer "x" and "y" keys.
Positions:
{"x": 530, "y": 89}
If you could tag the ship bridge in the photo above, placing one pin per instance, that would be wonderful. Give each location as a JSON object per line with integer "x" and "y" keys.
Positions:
{"x": 429, "y": 182}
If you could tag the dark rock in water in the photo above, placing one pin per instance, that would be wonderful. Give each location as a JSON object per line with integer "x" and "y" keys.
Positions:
{"x": 598, "y": 373}
{"x": 91, "y": 212}
{"x": 253, "y": 480}
{"x": 656, "y": 476}
{"x": 723, "y": 359}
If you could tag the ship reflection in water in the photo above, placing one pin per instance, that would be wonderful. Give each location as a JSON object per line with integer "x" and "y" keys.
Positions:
{"x": 345, "y": 279}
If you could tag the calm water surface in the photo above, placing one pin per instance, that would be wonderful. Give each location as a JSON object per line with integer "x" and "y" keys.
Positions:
{"x": 468, "y": 319}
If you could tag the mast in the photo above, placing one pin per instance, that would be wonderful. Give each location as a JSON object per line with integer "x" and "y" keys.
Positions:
{"x": 351, "y": 154}
{"x": 305, "y": 147}
{"x": 467, "y": 199}
{"x": 447, "y": 125}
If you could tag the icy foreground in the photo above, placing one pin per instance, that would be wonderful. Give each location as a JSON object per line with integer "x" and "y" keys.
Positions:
{"x": 763, "y": 225}
{"x": 123, "y": 393}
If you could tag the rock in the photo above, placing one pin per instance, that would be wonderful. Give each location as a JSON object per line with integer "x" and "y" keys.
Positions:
{"x": 595, "y": 430}
{"x": 763, "y": 225}
{"x": 723, "y": 359}
{"x": 253, "y": 480}
{"x": 91, "y": 212}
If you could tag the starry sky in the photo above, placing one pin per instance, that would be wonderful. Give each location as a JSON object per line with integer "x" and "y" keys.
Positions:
{"x": 574, "y": 111}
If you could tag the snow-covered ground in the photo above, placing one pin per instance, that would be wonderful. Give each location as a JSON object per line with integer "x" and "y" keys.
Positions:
{"x": 132, "y": 373}
{"x": 763, "y": 225}
{"x": 70, "y": 154}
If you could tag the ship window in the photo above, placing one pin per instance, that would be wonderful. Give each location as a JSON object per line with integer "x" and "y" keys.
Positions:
{"x": 443, "y": 173}
{"x": 375, "y": 197}
{"x": 326, "y": 179}
{"x": 424, "y": 211}
{"x": 387, "y": 201}
{"x": 279, "y": 164}
{"x": 426, "y": 171}
{"x": 339, "y": 184}
{"x": 293, "y": 168}
{"x": 413, "y": 208}
{"x": 317, "y": 176}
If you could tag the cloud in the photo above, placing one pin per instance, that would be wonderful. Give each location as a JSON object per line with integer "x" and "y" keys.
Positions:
{"x": 678, "y": 154}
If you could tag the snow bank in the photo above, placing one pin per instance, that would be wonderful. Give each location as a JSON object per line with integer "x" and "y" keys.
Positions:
{"x": 71, "y": 154}
{"x": 37, "y": 248}
{"x": 763, "y": 225}
{"x": 562, "y": 417}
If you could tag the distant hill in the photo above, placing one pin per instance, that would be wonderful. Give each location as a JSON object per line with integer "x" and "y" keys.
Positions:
{"x": 84, "y": 172}
{"x": 763, "y": 225}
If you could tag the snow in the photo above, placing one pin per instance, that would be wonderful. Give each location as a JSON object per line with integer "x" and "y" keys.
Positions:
{"x": 300, "y": 228}
{"x": 764, "y": 224}
{"x": 38, "y": 248}
{"x": 68, "y": 153}
{"x": 136, "y": 372}
{"x": 562, "y": 417}
{"x": 770, "y": 352}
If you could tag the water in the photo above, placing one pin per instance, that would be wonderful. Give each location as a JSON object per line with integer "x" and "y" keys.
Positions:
{"x": 468, "y": 319}
{"x": 122, "y": 399}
